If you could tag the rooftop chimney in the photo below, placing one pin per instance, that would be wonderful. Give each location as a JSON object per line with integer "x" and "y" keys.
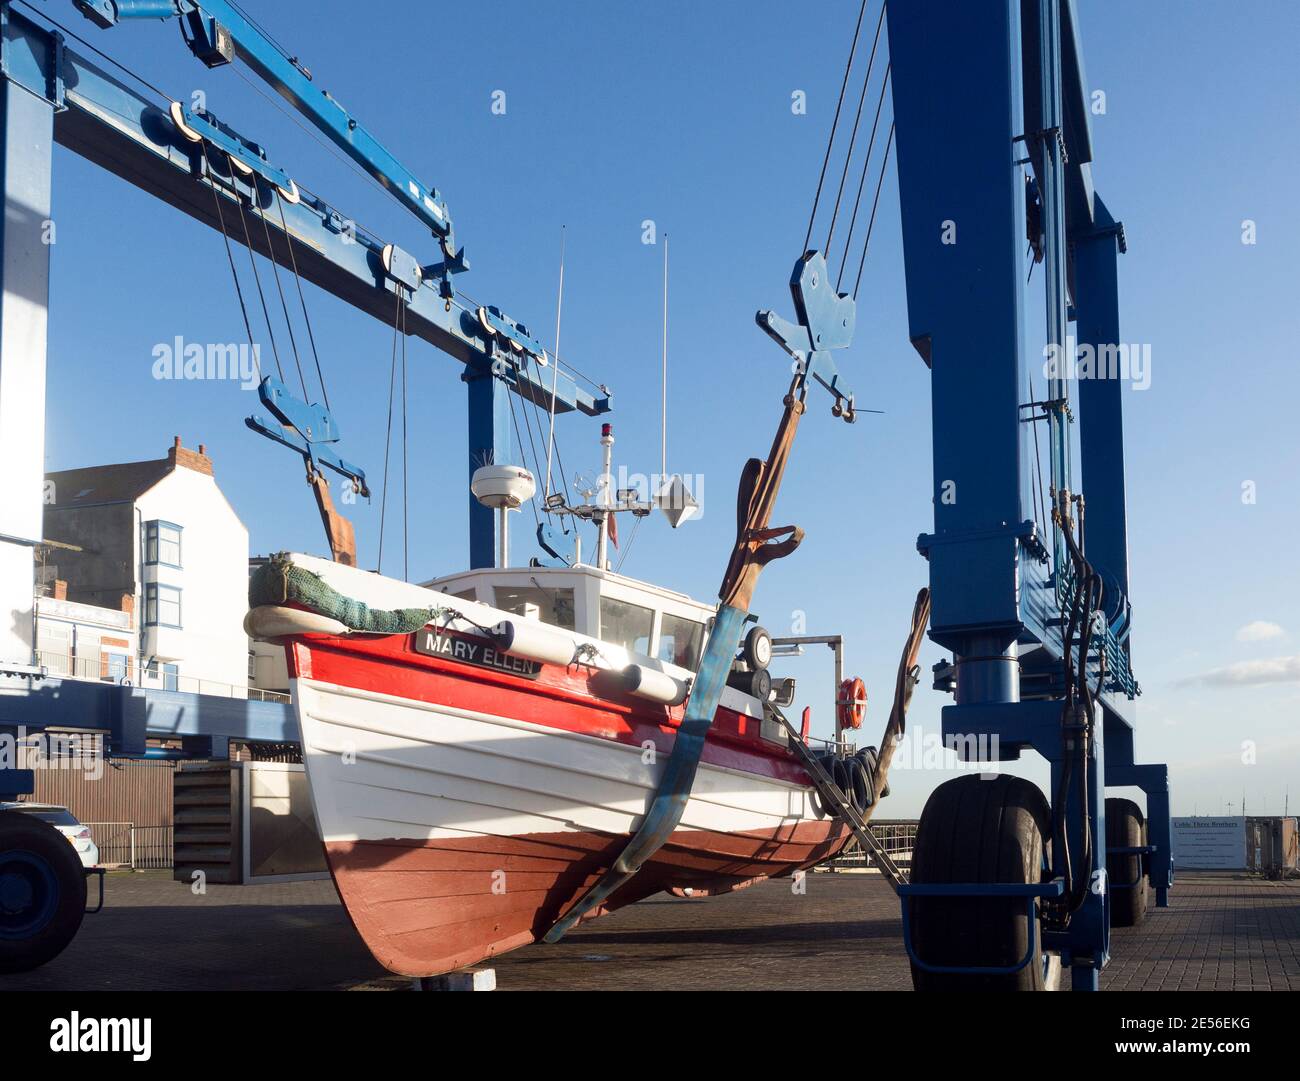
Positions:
{"x": 196, "y": 460}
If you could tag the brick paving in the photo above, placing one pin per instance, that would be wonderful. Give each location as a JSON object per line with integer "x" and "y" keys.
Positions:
{"x": 1226, "y": 932}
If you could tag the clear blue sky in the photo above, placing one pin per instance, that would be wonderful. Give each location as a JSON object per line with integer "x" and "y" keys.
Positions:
{"x": 680, "y": 112}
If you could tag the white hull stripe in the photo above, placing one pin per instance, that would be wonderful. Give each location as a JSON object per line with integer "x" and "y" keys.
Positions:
{"x": 383, "y": 767}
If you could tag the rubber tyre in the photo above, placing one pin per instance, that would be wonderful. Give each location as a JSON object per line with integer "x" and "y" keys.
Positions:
{"x": 839, "y": 770}
{"x": 859, "y": 791}
{"x": 978, "y": 830}
{"x": 1126, "y": 827}
{"x": 870, "y": 759}
{"x": 757, "y": 648}
{"x": 42, "y": 892}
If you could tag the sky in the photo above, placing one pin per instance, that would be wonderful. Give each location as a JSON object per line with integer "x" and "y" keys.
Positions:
{"x": 680, "y": 114}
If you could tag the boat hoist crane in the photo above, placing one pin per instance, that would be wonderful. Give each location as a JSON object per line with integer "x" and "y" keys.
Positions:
{"x": 993, "y": 114}
{"x": 992, "y": 126}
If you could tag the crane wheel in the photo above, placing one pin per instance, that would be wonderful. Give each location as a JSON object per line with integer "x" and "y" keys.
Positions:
{"x": 42, "y": 892}
{"x": 978, "y": 830}
{"x": 1126, "y": 827}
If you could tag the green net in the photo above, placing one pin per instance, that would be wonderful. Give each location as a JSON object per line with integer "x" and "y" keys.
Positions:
{"x": 280, "y": 581}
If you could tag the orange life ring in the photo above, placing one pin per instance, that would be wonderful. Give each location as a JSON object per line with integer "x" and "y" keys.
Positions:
{"x": 852, "y": 706}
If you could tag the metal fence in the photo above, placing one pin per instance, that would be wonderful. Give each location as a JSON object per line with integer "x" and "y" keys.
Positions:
{"x": 124, "y": 844}
{"x": 897, "y": 838}
{"x": 152, "y": 847}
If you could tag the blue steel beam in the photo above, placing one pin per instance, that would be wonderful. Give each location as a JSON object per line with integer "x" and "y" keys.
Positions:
{"x": 207, "y": 20}
{"x": 129, "y": 715}
{"x": 112, "y": 124}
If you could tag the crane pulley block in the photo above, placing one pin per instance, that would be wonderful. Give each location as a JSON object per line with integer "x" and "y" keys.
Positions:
{"x": 826, "y": 321}
{"x": 308, "y": 428}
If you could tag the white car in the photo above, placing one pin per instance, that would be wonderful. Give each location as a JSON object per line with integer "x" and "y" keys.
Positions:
{"x": 66, "y": 823}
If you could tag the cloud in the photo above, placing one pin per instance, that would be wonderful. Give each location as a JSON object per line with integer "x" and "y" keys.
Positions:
{"x": 1253, "y": 673}
{"x": 1259, "y": 631}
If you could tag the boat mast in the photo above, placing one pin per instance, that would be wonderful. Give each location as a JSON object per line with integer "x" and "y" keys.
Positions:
{"x": 602, "y": 542}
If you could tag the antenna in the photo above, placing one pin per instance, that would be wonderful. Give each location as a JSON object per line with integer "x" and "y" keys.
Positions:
{"x": 555, "y": 375}
{"x": 663, "y": 435}
{"x": 674, "y": 496}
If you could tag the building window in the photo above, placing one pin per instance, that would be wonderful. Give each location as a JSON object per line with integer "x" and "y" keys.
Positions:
{"x": 162, "y": 605}
{"x": 115, "y": 667}
{"x": 166, "y": 674}
{"x": 162, "y": 543}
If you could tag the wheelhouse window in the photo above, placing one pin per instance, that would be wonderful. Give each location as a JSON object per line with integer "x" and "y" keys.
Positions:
{"x": 627, "y": 625}
{"x": 680, "y": 640}
{"x": 162, "y": 605}
{"x": 162, "y": 543}
{"x": 553, "y": 606}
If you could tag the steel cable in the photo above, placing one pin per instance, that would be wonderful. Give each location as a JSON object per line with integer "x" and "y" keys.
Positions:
{"x": 853, "y": 138}
{"x": 830, "y": 143}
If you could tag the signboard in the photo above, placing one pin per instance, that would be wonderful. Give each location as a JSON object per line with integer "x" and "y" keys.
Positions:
{"x": 481, "y": 652}
{"x": 1209, "y": 843}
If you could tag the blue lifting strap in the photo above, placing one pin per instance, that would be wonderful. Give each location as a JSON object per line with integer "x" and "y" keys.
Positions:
{"x": 669, "y": 803}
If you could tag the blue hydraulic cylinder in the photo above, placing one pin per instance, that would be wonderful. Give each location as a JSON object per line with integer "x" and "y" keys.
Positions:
{"x": 1051, "y": 146}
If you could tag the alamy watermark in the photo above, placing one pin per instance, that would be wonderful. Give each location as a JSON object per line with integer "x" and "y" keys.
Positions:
{"x": 1127, "y": 361}
{"x": 213, "y": 361}
{"x": 668, "y": 491}
{"x": 80, "y": 751}
{"x": 919, "y": 749}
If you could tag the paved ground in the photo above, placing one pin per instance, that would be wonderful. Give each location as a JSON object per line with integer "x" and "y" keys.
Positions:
{"x": 1227, "y": 932}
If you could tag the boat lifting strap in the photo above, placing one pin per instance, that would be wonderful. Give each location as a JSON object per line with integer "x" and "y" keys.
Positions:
{"x": 756, "y": 546}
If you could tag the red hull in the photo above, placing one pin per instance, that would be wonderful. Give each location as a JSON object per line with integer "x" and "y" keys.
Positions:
{"x": 429, "y": 907}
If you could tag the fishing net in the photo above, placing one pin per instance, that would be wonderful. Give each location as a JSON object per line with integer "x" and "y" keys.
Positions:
{"x": 280, "y": 581}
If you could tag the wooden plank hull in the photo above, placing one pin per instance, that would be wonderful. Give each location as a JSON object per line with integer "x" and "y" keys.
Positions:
{"x": 464, "y": 809}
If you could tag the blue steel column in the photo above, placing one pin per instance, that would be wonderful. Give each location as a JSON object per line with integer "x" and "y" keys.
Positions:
{"x": 25, "y": 146}
{"x": 956, "y": 90}
{"x": 490, "y": 443}
{"x": 26, "y": 142}
{"x": 1101, "y": 461}
{"x": 1101, "y": 406}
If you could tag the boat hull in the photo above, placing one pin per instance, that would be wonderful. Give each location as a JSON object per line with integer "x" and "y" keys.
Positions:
{"x": 463, "y": 810}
